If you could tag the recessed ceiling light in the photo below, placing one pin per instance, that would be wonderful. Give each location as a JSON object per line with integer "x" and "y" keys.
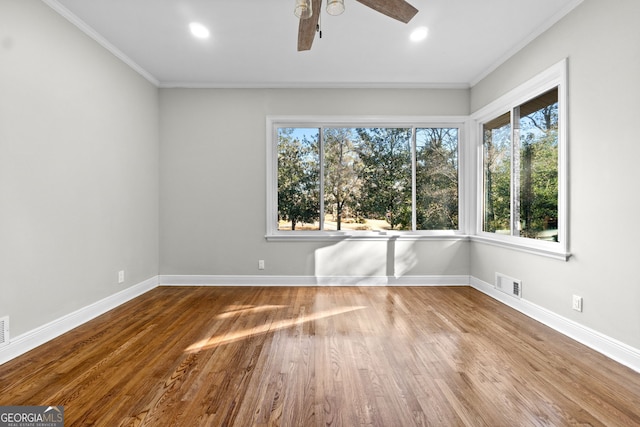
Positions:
{"x": 419, "y": 34}
{"x": 199, "y": 31}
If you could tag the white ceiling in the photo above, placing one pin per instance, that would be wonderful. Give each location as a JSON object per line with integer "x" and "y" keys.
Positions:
{"x": 253, "y": 42}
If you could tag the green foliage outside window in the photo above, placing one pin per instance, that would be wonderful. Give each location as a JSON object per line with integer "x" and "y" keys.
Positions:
{"x": 368, "y": 179}
{"x": 521, "y": 179}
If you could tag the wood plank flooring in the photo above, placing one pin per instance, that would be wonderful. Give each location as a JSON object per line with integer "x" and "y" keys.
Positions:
{"x": 321, "y": 356}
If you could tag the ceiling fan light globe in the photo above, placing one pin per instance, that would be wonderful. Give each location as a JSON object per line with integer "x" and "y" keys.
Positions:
{"x": 303, "y": 9}
{"x": 335, "y": 7}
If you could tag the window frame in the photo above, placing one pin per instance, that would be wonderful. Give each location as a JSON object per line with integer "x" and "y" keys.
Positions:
{"x": 275, "y": 122}
{"x": 553, "y": 77}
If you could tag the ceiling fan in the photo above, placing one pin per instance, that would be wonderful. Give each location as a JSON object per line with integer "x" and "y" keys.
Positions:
{"x": 309, "y": 11}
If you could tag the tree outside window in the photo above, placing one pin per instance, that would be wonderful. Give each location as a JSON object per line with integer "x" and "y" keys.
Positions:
{"x": 520, "y": 169}
{"x": 370, "y": 178}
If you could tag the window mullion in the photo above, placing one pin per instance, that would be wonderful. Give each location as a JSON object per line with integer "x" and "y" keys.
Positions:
{"x": 414, "y": 168}
{"x": 321, "y": 189}
{"x": 515, "y": 172}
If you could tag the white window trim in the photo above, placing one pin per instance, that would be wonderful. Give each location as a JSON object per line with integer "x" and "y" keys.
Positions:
{"x": 470, "y": 168}
{"x": 275, "y": 122}
{"x": 555, "y": 76}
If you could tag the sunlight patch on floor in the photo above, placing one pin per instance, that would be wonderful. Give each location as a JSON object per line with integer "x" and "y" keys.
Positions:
{"x": 234, "y": 336}
{"x": 248, "y": 310}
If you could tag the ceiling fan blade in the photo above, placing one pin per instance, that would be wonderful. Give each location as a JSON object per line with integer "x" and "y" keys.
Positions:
{"x": 396, "y": 9}
{"x": 307, "y": 27}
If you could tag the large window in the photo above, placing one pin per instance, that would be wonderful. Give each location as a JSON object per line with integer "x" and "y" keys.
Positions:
{"x": 415, "y": 177}
{"x": 363, "y": 179}
{"x": 522, "y": 175}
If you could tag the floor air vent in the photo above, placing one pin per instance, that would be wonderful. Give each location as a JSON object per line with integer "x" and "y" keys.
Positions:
{"x": 4, "y": 330}
{"x": 509, "y": 285}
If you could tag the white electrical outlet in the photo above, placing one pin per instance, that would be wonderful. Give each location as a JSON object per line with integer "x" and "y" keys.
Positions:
{"x": 121, "y": 276}
{"x": 577, "y": 303}
{"x": 260, "y": 264}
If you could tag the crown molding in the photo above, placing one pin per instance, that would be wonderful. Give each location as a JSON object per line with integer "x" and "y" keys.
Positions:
{"x": 89, "y": 31}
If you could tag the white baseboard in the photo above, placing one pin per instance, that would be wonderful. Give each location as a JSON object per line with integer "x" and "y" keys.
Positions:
{"x": 610, "y": 347}
{"x": 194, "y": 280}
{"x": 23, "y": 343}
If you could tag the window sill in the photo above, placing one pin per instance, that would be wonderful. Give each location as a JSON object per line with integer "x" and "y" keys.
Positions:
{"x": 324, "y": 236}
{"x": 532, "y": 247}
{"x": 535, "y": 247}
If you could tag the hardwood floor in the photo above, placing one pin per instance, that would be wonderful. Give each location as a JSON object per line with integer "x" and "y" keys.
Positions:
{"x": 332, "y": 356}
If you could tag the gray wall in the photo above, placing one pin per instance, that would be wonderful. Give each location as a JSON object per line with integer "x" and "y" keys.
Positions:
{"x": 78, "y": 169}
{"x": 602, "y": 41}
{"x": 213, "y": 202}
